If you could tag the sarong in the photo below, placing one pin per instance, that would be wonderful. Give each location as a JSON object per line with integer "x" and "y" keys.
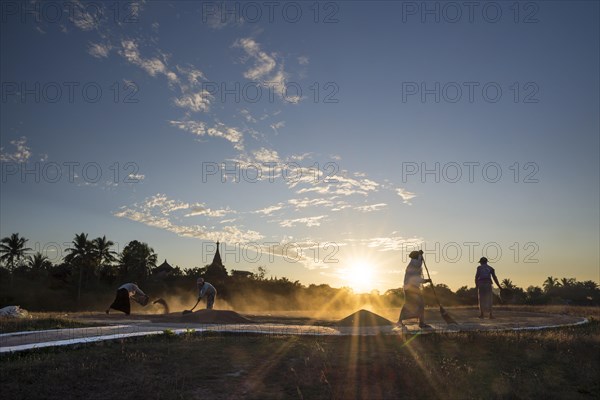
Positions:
{"x": 413, "y": 304}
{"x": 121, "y": 302}
{"x": 484, "y": 293}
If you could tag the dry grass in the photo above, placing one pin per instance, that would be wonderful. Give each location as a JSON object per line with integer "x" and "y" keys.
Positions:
{"x": 579, "y": 311}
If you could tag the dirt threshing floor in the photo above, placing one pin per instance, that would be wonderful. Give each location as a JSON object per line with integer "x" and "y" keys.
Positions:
{"x": 467, "y": 319}
{"x": 363, "y": 322}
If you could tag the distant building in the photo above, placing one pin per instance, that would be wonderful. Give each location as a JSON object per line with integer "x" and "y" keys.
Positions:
{"x": 216, "y": 271}
{"x": 163, "y": 270}
{"x": 217, "y": 262}
{"x": 241, "y": 274}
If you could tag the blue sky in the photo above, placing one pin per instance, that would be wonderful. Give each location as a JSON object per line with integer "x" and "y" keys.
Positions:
{"x": 340, "y": 116}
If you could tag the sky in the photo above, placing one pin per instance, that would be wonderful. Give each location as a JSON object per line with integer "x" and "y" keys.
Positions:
{"x": 323, "y": 141}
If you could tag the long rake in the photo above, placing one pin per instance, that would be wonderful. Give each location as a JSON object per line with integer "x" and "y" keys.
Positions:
{"x": 449, "y": 320}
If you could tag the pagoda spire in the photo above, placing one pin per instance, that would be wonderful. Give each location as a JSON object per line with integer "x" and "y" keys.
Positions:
{"x": 217, "y": 258}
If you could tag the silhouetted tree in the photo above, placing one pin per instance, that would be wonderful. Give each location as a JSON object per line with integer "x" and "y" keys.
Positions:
{"x": 104, "y": 258}
{"x": 81, "y": 257}
{"x": 535, "y": 295}
{"x": 39, "y": 265}
{"x": 512, "y": 294}
{"x": 567, "y": 282}
{"x": 550, "y": 283}
{"x": 467, "y": 296}
{"x": 215, "y": 273}
{"x": 507, "y": 284}
{"x": 195, "y": 272}
{"x": 137, "y": 260}
{"x": 13, "y": 250}
{"x": 261, "y": 273}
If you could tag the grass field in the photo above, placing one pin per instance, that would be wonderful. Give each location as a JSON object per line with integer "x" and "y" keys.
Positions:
{"x": 558, "y": 363}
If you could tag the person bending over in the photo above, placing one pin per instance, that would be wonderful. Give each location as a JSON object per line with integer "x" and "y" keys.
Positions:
{"x": 207, "y": 290}
{"x": 124, "y": 293}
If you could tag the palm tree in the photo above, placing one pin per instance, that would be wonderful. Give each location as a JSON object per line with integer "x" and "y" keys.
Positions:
{"x": 590, "y": 285}
{"x": 550, "y": 283}
{"x": 39, "y": 263}
{"x": 80, "y": 255}
{"x": 13, "y": 250}
{"x": 507, "y": 284}
{"x": 102, "y": 251}
{"x": 104, "y": 257}
{"x": 567, "y": 282}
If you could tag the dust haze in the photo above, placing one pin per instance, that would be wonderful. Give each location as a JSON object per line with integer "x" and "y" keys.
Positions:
{"x": 292, "y": 305}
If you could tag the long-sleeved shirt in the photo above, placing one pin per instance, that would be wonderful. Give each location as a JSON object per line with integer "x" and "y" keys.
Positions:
{"x": 135, "y": 293}
{"x": 205, "y": 289}
{"x": 413, "y": 277}
{"x": 133, "y": 289}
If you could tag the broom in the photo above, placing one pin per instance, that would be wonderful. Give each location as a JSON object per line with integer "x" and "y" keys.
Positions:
{"x": 449, "y": 320}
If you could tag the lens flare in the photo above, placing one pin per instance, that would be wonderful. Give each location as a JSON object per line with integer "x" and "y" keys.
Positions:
{"x": 360, "y": 276}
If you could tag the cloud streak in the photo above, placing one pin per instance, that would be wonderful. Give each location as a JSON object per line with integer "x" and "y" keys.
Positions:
{"x": 199, "y": 128}
{"x": 265, "y": 69}
{"x": 406, "y": 195}
{"x": 21, "y": 152}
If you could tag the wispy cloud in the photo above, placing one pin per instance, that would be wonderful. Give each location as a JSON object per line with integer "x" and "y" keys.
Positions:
{"x": 196, "y": 102}
{"x": 264, "y": 63}
{"x": 306, "y": 202}
{"x": 406, "y": 195}
{"x": 303, "y": 60}
{"x": 265, "y": 156}
{"x": 199, "y": 128}
{"x": 394, "y": 242}
{"x": 201, "y": 209}
{"x": 269, "y": 210}
{"x": 153, "y": 66}
{"x": 83, "y": 18}
{"x": 247, "y": 116}
{"x": 193, "y": 78}
{"x": 161, "y": 212}
{"x": 163, "y": 203}
{"x": 265, "y": 69}
{"x": 136, "y": 177}
{"x": 99, "y": 50}
{"x": 313, "y": 179}
{"x": 277, "y": 126}
{"x": 307, "y": 221}
{"x": 371, "y": 207}
{"x": 335, "y": 185}
{"x": 20, "y": 153}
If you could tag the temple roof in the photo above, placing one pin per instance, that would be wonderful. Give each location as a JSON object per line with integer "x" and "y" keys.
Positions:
{"x": 217, "y": 258}
{"x": 165, "y": 266}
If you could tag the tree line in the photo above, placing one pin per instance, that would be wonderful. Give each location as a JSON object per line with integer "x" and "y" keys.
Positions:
{"x": 91, "y": 270}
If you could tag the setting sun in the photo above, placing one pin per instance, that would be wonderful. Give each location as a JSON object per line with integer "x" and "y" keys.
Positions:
{"x": 360, "y": 276}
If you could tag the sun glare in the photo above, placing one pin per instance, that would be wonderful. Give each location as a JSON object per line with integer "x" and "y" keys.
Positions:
{"x": 360, "y": 276}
